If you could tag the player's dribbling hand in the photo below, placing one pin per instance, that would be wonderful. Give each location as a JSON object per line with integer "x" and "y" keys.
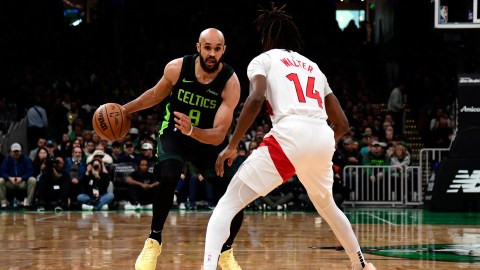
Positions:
{"x": 183, "y": 123}
{"x": 227, "y": 153}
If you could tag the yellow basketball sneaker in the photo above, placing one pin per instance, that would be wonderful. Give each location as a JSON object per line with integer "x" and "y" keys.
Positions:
{"x": 227, "y": 261}
{"x": 147, "y": 260}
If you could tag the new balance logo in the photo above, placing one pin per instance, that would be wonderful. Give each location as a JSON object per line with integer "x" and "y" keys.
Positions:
{"x": 186, "y": 81}
{"x": 468, "y": 183}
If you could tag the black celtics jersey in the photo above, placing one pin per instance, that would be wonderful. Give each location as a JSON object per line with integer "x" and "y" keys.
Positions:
{"x": 199, "y": 101}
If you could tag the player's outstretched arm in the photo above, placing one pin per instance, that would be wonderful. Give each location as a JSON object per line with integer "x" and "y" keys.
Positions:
{"x": 251, "y": 108}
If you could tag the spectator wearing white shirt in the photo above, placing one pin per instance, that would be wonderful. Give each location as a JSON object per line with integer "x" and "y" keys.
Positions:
{"x": 37, "y": 123}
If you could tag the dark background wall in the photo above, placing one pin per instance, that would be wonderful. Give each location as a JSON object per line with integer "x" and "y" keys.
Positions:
{"x": 134, "y": 39}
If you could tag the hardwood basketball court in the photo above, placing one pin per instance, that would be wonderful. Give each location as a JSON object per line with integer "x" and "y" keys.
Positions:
{"x": 391, "y": 238}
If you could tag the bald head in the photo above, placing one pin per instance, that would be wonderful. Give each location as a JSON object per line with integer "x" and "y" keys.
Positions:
{"x": 211, "y": 36}
{"x": 211, "y": 47}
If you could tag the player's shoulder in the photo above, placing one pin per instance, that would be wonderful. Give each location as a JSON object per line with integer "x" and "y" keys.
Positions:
{"x": 261, "y": 58}
{"x": 175, "y": 63}
{"x": 173, "y": 68}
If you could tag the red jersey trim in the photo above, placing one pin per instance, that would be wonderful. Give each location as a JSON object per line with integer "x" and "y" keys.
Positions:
{"x": 280, "y": 160}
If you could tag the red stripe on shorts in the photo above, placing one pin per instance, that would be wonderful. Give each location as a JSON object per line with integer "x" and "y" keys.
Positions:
{"x": 282, "y": 163}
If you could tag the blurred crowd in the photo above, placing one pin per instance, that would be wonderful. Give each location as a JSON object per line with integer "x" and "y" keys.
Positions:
{"x": 58, "y": 83}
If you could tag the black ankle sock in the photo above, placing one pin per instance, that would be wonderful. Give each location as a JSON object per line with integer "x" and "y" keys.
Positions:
{"x": 225, "y": 247}
{"x": 157, "y": 235}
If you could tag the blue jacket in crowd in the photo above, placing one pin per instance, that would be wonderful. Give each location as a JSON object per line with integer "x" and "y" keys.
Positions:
{"x": 22, "y": 167}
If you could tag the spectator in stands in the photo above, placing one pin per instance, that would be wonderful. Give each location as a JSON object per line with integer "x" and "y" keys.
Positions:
{"x": 252, "y": 146}
{"x": 65, "y": 146}
{"x": 441, "y": 128}
{"x": 75, "y": 143}
{"x": 242, "y": 154}
{"x": 395, "y": 106}
{"x": 41, "y": 142}
{"x": 197, "y": 186}
{"x": 134, "y": 138}
{"x": 87, "y": 135}
{"x": 77, "y": 129}
{"x": 259, "y": 135}
{"x": 16, "y": 172}
{"x": 100, "y": 153}
{"x": 81, "y": 142}
{"x": 95, "y": 183}
{"x": 76, "y": 117}
{"x": 181, "y": 191}
{"x": 39, "y": 162}
{"x": 75, "y": 167}
{"x": 377, "y": 127}
{"x": 37, "y": 123}
{"x": 388, "y": 121}
{"x": 368, "y": 132}
{"x": 377, "y": 156}
{"x": 389, "y": 136}
{"x": 116, "y": 151}
{"x": 146, "y": 152}
{"x": 89, "y": 148}
{"x": 351, "y": 152}
{"x": 97, "y": 140}
{"x": 128, "y": 154}
{"x": 350, "y": 155}
{"x": 278, "y": 198}
{"x": 401, "y": 158}
{"x": 53, "y": 186}
{"x": 52, "y": 149}
{"x": 140, "y": 185}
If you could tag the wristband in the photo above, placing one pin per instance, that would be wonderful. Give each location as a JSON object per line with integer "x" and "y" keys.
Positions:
{"x": 191, "y": 130}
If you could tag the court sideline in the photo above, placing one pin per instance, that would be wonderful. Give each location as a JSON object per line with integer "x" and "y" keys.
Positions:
{"x": 391, "y": 239}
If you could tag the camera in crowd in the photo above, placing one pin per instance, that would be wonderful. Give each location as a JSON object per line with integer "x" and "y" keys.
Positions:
{"x": 50, "y": 164}
{"x": 96, "y": 164}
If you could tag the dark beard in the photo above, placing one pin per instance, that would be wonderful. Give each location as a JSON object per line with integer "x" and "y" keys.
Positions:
{"x": 205, "y": 68}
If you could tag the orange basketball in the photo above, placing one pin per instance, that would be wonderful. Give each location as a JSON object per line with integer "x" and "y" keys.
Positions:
{"x": 110, "y": 122}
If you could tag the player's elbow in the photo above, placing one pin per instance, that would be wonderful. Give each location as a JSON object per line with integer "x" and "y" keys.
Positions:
{"x": 217, "y": 141}
{"x": 342, "y": 126}
{"x": 216, "y": 138}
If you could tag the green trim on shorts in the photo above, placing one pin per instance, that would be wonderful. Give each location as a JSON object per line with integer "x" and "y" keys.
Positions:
{"x": 165, "y": 156}
{"x": 161, "y": 156}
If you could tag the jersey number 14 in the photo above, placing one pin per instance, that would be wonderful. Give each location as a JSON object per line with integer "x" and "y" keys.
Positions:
{"x": 310, "y": 92}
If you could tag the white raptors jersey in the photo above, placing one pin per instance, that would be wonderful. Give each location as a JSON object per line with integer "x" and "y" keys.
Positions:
{"x": 295, "y": 85}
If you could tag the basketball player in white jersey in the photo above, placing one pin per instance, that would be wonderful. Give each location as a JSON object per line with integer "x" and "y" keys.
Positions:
{"x": 300, "y": 142}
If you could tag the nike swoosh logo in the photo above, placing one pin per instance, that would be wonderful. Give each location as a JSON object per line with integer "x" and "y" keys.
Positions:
{"x": 186, "y": 81}
{"x": 212, "y": 92}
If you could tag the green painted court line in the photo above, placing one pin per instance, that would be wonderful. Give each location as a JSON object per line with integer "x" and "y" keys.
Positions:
{"x": 394, "y": 216}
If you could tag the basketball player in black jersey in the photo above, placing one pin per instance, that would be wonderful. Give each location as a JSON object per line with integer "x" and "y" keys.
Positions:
{"x": 202, "y": 94}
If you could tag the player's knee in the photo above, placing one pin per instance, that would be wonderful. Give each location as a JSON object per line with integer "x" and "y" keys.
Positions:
{"x": 323, "y": 201}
